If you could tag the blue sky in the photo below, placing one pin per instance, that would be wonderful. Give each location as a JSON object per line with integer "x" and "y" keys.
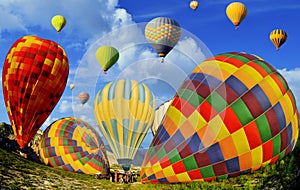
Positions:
{"x": 120, "y": 23}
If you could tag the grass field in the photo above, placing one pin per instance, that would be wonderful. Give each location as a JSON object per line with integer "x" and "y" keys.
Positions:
{"x": 20, "y": 173}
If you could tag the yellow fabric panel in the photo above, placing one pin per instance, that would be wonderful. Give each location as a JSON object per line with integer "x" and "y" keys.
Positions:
{"x": 269, "y": 91}
{"x": 248, "y": 75}
{"x": 265, "y": 163}
{"x": 295, "y": 130}
{"x": 176, "y": 116}
{"x": 274, "y": 86}
{"x": 183, "y": 177}
{"x": 240, "y": 140}
{"x": 197, "y": 120}
{"x": 213, "y": 68}
{"x": 168, "y": 171}
{"x": 218, "y": 128}
{"x": 257, "y": 156}
{"x": 287, "y": 108}
{"x": 156, "y": 167}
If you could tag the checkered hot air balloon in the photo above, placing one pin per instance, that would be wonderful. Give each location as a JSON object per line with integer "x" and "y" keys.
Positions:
{"x": 73, "y": 145}
{"x": 232, "y": 115}
{"x": 163, "y": 33}
{"x": 34, "y": 77}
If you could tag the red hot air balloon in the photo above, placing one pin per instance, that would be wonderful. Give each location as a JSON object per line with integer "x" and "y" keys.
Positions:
{"x": 34, "y": 77}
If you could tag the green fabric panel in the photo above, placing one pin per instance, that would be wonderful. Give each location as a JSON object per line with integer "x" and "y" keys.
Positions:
{"x": 161, "y": 153}
{"x": 151, "y": 152}
{"x": 217, "y": 102}
{"x": 241, "y": 58}
{"x": 190, "y": 163}
{"x": 222, "y": 177}
{"x": 263, "y": 128}
{"x": 242, "y": 112}
{"x": 281, "y": 155}
{"x": 193, "y": 98}
{"x": 53, "y": 161}
{"x": 207, "y": 172}
{"x": 263, "y": 65}
{"x": 174, "y": 156}
{"x": 276, "y": 145}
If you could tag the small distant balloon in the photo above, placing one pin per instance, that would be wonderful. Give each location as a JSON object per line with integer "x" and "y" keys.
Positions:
{"x": 278, "y": 37}
{"x": 72, "y": 86}
{"x": 58, "y": 22}
{"x": 236, "y": 12}
{"x": 107, "y": 56}
{"x": 83, "y": 97}
{"x": 194, "y": 5}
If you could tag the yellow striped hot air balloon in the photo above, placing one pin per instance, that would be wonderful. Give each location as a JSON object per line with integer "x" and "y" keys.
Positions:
{"x": 278, "y": 37}
{"x": 58, "y": 22}
{"x": 163, "y": 34}
{"x": 124, "y": 111}
{"x": 236, "y": 12}
{"x": 107, "y": 56}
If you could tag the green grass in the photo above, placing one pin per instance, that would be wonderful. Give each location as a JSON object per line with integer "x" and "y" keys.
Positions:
{"x": 20, "y": 173}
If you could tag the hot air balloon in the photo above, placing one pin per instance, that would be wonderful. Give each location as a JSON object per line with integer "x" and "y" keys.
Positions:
{"x": 236, "y": 12}
{"x": 58, "y": 22}
{"x": 124, "y": 111}
{"x": 107, "y": 56}
{"x": 73, "y": 145}
{"x": 34, "y": 77}
{"x": 72, "y": 86}
{"x": 278, "y": 37}
{"x": 160, "y": 112}
{"x": 83, "y": 97}
{"x": 163, "y": 34}
{"x": 232, "y": 115}
{"x": 194, "y": 5}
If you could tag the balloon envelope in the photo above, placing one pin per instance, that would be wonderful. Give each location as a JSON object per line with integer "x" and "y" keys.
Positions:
{"x": 83, "y": 97}
{"x": 58, "y": 22}
{"x": 73, "y": 145}
{"x": 124, "y": 112}
{"x": 194, "y": 5}
{"x": 232, "y": 115}
{"x": 34, "y": 77}
{"x": 236, "y": 12}
{"x": 278, "y": 37}
{"x": 163, "y": 34}
{"x": 107, "y": 56}
{"x": 159, "y": 115}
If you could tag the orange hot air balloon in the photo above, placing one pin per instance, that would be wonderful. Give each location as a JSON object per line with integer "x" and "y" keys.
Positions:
{"x": 34, "y": 77}
{"x": 194, "y": 5}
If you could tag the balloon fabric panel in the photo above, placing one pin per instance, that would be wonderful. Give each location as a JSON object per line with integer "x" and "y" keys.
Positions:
{"x": 237, "y": 127}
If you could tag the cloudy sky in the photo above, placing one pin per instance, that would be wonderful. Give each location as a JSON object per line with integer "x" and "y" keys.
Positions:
{"x": 120, "y": 23}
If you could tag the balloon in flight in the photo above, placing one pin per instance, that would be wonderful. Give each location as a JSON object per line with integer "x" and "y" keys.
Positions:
{"x": 107, "y": 56}
{"x": 236, "y": 12}
{"x": 58, "y": 22}
{"x": 194, "y": 5}
{"x": 124, "y": 112}
{"x": 163, "y": 33}
{"x": 83, "y": 97}
{"x": 34, "y": 77}
{"x": 278, "y": 37}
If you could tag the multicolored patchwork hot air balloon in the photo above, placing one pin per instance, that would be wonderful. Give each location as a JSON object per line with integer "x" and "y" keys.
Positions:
{"x": 58, "y": 22}
{"x": 34, "y": 77}
{"x": 73, "y": 145}
{"x": 232, "y": 115}
{"x": 278, "y": 37}
{"x": 236, "y": 12}
{"x": 124, "y": 112}
{"x": 83, "y": 97}
{"x": 107, "y": 56}
{"x": 160, "y": 112}
{"x": 163, "y": 34}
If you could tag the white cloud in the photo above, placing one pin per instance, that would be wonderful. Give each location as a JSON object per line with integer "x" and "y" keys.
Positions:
{"x": 293, "y": 79}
